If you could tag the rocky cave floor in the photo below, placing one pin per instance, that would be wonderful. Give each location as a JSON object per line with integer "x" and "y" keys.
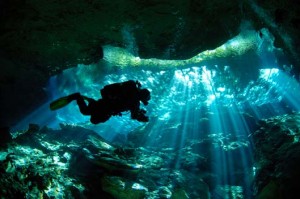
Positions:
{"x": 75, "y": 162}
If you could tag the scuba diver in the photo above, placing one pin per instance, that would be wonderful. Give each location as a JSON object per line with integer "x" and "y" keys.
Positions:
{"x": 116, "y": 98}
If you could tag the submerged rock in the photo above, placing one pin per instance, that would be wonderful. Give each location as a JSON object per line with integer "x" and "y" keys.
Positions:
{"x": 79, "y": 163}
{"x": 42, "y": 162}
{"x": 121, "y": 188}
{"x": 277, "y": 157}
{"x": 74, "y": 161}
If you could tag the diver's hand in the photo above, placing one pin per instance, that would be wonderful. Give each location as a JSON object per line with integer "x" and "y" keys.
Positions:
{"x": 141, "y": 116}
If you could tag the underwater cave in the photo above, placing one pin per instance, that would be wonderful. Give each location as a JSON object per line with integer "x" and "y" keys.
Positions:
{"x": 224, "y": 117}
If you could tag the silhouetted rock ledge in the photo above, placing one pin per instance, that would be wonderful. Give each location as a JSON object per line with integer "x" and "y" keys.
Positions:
{"x": 277, "y": 157}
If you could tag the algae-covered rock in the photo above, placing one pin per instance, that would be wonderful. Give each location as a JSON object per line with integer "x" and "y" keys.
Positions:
{"x": 277, "y": 157}
{"x": 270, "y": 191}
{"x": 120, "y": 188}
{"x": 179, "y": 194}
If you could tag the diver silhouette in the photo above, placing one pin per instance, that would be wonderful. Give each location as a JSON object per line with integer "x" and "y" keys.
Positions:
{"x": 116, "y": 98}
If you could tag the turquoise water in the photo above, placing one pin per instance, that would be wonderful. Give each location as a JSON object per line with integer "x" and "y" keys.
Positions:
{"x": 219, "y": 101}
{"x": 187, "y": 95}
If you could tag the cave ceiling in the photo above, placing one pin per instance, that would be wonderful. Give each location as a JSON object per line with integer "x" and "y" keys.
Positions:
{"x": 40, "y": 38}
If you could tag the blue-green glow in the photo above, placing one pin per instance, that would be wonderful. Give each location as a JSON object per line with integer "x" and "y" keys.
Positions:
{"x": 205, "y": 106}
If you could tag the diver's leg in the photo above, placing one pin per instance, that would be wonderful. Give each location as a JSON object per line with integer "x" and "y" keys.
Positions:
{"x": 99, "y": 111}
{"x": 83, "y": 107}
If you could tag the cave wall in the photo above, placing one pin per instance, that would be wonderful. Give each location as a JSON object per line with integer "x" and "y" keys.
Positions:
{"x": 40, "y": 38}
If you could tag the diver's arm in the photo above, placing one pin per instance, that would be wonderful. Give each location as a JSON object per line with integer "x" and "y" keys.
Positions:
{"x": 138, "y": 114}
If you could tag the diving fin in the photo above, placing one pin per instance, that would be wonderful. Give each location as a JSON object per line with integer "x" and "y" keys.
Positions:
{"x": 59, "y": 103}
{"x": 63, "y": 101}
